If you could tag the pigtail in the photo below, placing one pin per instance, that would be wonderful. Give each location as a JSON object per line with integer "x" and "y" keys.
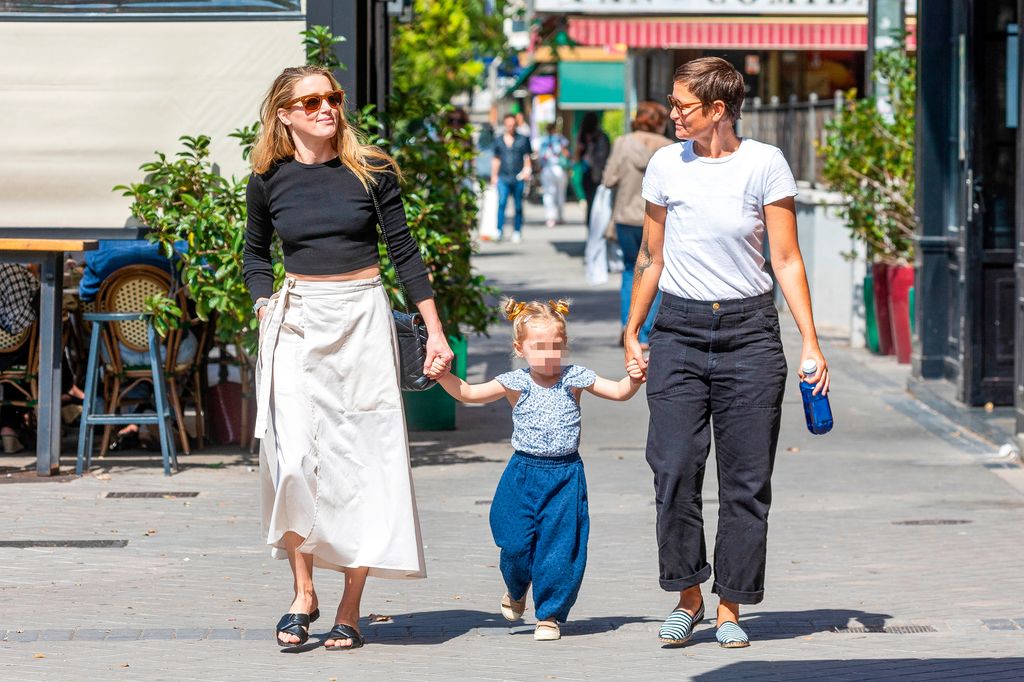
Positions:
{"x": 561, "y": 306}
{"x": 513, "y": 308}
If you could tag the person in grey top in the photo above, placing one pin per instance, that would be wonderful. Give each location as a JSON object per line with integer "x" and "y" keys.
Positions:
{"x": 624, "y": 173}
{"x": 539, "y": 514}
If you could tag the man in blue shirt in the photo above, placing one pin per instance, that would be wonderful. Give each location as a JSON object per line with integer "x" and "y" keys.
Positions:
{"x": 510, "y": 171}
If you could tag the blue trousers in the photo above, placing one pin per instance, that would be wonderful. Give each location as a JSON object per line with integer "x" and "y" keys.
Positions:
{"x": 515, "y": 188}
{"x": 629, "y": 238}
{"x": 539, "y": 519}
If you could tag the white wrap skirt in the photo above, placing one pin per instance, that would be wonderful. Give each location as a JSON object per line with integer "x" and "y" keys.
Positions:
{"x": 334, "y": 451}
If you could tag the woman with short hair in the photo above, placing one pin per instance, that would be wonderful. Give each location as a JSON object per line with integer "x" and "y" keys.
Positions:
{"x": 337, "y": 488}
{"x": 716, "y": 352}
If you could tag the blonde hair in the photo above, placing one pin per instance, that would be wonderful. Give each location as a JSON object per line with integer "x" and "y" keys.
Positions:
{"x": 275, "y": 141}
{"x": 522, "y": 313}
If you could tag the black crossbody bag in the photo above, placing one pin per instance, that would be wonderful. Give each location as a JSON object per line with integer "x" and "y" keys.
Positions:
{"x": 412, "y": 333}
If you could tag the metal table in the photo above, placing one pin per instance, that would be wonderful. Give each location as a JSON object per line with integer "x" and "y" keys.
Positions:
{"x": 47, "y": 246}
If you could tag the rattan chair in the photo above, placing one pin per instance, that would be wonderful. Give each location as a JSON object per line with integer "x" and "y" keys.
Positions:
{"x": 22, "y": 378}
{"x": 126, "y": 290}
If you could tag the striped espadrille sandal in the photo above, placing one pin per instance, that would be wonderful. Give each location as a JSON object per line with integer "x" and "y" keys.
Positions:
{"x": 731, "y": 636}
{"x": 678, "y": 627}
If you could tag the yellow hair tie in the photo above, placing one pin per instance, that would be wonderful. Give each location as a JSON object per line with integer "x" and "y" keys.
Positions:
{"x": 517, "y": 310}
{"x": 559, "y": 307}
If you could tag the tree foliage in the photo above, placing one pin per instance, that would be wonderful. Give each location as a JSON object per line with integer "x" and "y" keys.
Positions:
{"x": 869, "y": 158}
{"x": 437, "y": 55}
{"x": 183, "y": 198}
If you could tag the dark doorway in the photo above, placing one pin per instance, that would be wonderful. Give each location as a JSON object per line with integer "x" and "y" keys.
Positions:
{"x": 988, "y": 145}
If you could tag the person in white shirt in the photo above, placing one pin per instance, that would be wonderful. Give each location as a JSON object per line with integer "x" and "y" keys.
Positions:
{"x": 716, "y": 355}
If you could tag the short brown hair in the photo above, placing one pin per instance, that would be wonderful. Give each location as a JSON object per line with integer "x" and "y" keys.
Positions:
{"x": 713, "y": 78}
{"x": 650, "y": 117}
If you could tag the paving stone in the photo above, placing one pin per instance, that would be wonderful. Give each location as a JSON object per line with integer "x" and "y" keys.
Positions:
{"x": 224, "y": 633}
{"x": 125, "y": 635}
{"x": 1000, "y": 624}
{"x": 90, "y": 634}
{"x": 56, "y": 635}
{"x": 158, "y": 633}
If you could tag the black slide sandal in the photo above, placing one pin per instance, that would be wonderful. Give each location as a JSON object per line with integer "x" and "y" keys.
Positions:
{"x": 342, "y": 631}
{"x": 294, "y": 624}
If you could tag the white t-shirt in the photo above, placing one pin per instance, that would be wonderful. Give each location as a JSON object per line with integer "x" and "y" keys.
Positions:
{"x": 714, "y": 228}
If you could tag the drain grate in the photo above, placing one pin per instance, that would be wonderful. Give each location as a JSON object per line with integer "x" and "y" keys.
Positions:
{"x": 482, "y": 502}
{"x": 83, "y": 544}
{"x": 932, "y": 522}
{"x": 885, "y": 629}
{"x": 157, "y": 495}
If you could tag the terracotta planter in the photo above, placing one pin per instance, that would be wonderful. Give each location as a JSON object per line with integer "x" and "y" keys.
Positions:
{"x": 880, "y": 279}
{"x": 901, "y": 279}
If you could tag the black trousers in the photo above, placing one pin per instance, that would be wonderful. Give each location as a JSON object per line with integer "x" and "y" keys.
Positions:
{"x": 715, "y": 365}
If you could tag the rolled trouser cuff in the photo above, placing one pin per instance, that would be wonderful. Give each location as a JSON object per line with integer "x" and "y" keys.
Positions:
{"x": 680, "y": 584}
{"x": 738, "y": 596}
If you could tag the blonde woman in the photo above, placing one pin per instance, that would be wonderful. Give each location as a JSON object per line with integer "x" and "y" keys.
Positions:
{"x": 336, "y": 485}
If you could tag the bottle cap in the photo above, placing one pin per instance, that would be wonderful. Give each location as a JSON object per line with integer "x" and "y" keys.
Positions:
{"x": 809, "y": 368}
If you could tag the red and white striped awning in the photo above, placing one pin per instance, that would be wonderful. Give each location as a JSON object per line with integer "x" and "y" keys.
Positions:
{"x": 847, "y": 34}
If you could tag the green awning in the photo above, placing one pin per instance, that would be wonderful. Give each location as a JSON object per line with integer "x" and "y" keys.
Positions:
{"x": 591, "y": 85}
{"x": 521, "y": 80}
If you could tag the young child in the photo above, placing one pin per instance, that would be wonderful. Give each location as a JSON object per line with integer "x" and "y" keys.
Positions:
{"x": 539, "y": 514}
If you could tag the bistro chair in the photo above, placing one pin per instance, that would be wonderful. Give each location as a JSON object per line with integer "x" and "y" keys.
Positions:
{"x": 126, "y": 290}
{"x": 119, "y": 323}
{"x": 21, "y": 379}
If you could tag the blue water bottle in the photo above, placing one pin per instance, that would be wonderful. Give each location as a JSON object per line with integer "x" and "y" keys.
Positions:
{"x": 816, "y": 407}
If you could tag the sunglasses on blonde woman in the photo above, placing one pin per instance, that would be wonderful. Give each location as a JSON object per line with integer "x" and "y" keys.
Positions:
{"x": 682, "y": 106}
{"x": 311, "y": 103}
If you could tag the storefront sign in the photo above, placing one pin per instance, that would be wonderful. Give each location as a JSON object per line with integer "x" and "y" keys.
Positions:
{"x": 679, "y": 7}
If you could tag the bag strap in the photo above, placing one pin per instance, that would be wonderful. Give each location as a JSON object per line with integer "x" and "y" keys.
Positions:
{"x": 387, "y": 245}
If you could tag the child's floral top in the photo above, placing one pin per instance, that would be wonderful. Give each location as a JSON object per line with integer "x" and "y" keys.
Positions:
{"x": 546, "y": 421}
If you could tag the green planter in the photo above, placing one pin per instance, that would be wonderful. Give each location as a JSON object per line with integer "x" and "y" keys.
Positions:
{"x": 913, "y": 326}
{"x": 434, "y": 409}
{"x": 870, "y": 321}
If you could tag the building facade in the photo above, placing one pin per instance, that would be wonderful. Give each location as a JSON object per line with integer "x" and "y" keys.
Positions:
{"x": 970, "y": 263}
{"x": 785, "y": 50}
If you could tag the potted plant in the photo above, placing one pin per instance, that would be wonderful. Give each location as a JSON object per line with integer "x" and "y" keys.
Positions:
{"x": 869, "y": 158}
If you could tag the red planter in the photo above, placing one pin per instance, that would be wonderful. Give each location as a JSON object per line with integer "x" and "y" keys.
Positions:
{"x": 880, "y": 276}
{"x": 901, "y": 279}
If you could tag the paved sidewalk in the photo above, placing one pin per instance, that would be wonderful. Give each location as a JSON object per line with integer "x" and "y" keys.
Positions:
{"x": 895, "y": 546}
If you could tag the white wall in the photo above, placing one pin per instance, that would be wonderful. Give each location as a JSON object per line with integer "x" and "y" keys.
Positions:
{"x": 83, "y": 104}
{"x": 836, "y": 282}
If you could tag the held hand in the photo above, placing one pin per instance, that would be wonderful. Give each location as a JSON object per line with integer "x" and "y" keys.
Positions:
{"x": 635, "y": 354}
{"x": 636, "y": 375}
{"x": 820, "y": 379}
{"x": 439, "y": 356}
{"x": 260, "y": 313}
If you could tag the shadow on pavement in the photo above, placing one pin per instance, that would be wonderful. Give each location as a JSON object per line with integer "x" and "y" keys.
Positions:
{"x": 870, "y": 669}
{"x": 436, "y": 627}
{"x": 433, "y": 627}
{"x": 771, "y": 625}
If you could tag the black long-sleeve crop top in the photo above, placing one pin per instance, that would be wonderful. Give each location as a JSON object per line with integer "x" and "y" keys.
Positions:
{"x": 327, "y": 224}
